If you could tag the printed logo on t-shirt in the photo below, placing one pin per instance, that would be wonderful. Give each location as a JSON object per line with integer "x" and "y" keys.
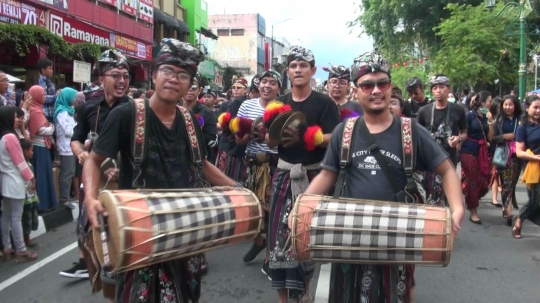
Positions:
{"x": 365, "y": 161}
{"x": 443, "y": 133}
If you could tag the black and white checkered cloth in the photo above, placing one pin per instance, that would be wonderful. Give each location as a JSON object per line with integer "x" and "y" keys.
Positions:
{"x": 173, "y": 227}
{"x": 358, "y": 225}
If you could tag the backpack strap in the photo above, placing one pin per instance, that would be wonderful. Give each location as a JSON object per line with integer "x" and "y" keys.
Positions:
{"x": 138, "y": 130}
{"x": 409, "y": 146}
{"x": 347, "y": 141}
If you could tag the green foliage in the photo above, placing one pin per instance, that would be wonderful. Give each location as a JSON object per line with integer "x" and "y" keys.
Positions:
{"x": 24, "y": 36}
{"x": 473, "y": 41}
{"x": 401, "y": 74}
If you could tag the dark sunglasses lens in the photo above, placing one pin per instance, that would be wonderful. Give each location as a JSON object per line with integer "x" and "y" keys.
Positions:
{"x": 383, "y": 86}
{"x": 367, "y": 87}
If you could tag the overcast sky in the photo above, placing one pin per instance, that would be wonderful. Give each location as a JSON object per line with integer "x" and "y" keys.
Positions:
{"x": 321, "y": 28}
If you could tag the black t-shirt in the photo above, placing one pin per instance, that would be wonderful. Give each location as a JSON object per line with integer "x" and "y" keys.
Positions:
{"x": 353, "y": 106}
{"x": 411, "y": 107}
{"x": 209, "y": 128}
{"x": 320, "y": 110}
{"x": 442, "y": 129}
{"x": 168, "y": 157}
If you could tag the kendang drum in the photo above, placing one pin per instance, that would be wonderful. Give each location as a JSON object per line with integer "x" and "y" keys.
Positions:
{"x": 145, "y": 227}
{"x": 370, "y": 232}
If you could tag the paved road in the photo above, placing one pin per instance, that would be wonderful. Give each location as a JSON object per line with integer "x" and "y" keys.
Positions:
{"x": 487, "y": 266}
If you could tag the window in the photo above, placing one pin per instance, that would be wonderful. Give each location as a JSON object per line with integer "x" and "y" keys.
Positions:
{"x": 237, "y": 32}
{"x": 203, "y": 5}
{"x": 260, "y": 41}
{"x": 223, "y": 32}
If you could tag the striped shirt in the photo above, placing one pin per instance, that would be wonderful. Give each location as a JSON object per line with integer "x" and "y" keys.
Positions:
{"x": 252, "y": 109}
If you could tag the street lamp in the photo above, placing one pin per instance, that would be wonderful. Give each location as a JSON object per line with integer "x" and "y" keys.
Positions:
{"x": 283, "y": 21}
{"x": 522, "y": 32}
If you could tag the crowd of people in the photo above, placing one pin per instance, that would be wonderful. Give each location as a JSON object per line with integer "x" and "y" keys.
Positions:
{"x": 494, "y": 139}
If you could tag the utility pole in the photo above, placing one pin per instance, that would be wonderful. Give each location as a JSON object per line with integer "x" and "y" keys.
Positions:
{"x": 272, "y": 45}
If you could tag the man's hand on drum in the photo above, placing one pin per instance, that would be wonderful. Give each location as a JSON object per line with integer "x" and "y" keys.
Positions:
{"x": 457, "y": 218}
{"x": 82, "y": 157}
{"x": 93, "y": 208}
{"x": 112, "y": 174}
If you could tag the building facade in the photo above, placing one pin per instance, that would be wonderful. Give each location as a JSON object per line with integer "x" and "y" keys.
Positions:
{"x": 241, "y": 43}
{"x": 169, "y": 21}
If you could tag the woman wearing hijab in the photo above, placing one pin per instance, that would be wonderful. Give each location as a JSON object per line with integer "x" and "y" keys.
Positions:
{"x": 40, "y": 132}
{"x": 16, "y": 177}
{"x": 64, "y": 124}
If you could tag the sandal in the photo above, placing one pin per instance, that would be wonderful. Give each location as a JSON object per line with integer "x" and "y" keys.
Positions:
{"x": 26, "y": 256}
{"x": 8, "y": 254}
{"x": 516, "y": 231}
{"x": 504, "y": 214}
{"x": 509, "y": 220}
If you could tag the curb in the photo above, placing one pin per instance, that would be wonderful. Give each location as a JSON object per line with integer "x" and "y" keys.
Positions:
{"x": 47, "y": 224}
{"x": 323, "y": 284}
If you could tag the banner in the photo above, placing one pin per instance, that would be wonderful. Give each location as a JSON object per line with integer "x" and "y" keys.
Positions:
{"x": 110, "y": 2}
{"x": 61, "y": 4}
{"x": 15, "y": 12}
{"x": 132, "y": 47}
{"x": 82, "y": 71}
{"x": 146, "y": 10}
{"x": 74, "y": 31}
{"x": 130, "y": 6}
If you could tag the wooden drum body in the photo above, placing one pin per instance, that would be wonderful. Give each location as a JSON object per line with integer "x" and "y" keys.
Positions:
{"x": 370, "y": 232}
{"x": 152, "y": 226}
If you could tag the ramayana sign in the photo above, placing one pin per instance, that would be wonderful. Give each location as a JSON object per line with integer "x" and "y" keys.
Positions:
{"x": 74, "y": 31}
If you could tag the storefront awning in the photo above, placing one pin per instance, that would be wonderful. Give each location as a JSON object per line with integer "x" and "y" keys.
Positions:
{"x": 170, "y": 21}
{"x": 159, "y": 16}
{"x": 208, "y": 33}
{"x": 183, "y": 28}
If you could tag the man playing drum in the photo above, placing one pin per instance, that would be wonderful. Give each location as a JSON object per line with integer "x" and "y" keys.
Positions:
{"x": 168, "y": 165}
{"x": 364, "y": 179}
{"x": 261, "y": 160}
{"x": 300, "y": 153}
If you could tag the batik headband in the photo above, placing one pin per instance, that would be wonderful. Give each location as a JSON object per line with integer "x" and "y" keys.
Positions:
{"x": 255, "y": 83}
{"x": 240, "y": 80}
{"x": 272, "y": 73}
{"x": 198, "y": 78}
{"x": 370, "y": 62}
{"x": 211, "y": 92}
{"x": 110, "y": 59}
{"x": 436, "y": 80}
{"x": 300, "y": 53}
{"x": 340, "y": 72}
{"x": 181, "y": 54}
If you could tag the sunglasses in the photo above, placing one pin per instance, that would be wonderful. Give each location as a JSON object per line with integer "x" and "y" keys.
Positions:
{"x": 368, "y": 86}
{"x": 237, "y": 87}
{"x": 194, "y": 87}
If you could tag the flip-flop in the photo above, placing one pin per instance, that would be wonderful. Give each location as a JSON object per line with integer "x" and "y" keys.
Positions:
{"x": 496, "y": 205}
{"x": 479, "y": 222}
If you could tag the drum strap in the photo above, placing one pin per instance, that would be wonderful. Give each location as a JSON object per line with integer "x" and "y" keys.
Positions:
{"x": 409, "y": 157}
{"x": 139, "y": 138}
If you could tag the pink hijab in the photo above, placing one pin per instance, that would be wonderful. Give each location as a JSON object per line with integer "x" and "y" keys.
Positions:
{"x": 37, "y": 115}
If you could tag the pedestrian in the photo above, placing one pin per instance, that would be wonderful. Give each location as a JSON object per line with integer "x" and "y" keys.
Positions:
{"x": 300, "y": 152}
{"x": 171, "y": 168}
{"x": 16, "y": 178}
{"x": 339, "y": 83}
{"x": 475, "y": 165}
{"x": 528, "y": 149}
{"x": 30, "y": 220}
{"x": 495, "y": 178}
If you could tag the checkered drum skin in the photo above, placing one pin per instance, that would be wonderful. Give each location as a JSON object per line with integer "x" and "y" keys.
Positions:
{"x": 370, "y": 232}
{"x": 148, "y": 227}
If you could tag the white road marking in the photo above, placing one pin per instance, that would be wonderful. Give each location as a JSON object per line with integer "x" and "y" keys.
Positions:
{"x": 323, "y": 284}
{"x": 7, "y": 283}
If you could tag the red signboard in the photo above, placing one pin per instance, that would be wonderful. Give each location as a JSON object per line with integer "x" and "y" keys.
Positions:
{"x": 74, "y": 31}
{"x": 132, "y": 47}
{"x": 110, "y": 2}
{"x": 146, "y": 10}
{"x": 15, "y": 12}
{"x": 129, "y": 7}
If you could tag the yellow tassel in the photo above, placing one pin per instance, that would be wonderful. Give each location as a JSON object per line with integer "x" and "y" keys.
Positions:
{"x": 220, "y": 118}
{"x": 274, "y": 105}
{"x": 318, "y": 138}
{"x": 234, "y": 125}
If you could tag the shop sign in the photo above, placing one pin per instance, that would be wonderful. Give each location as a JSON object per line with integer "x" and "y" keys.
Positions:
{"x": 207, "y": 69}
{"x": 15, "y": 12}
{"x": 74, "y": 31}
{"x": 110, "y": 2}
{"x": 130, "y": 6}
{"x": 132, "y": 47}
{"x": 81, "y": 71}
{"x": 146, "y": 10}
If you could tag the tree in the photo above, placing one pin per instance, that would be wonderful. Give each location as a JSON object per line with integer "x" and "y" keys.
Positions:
{"x": 475, "y": 50}
{"x": 403, "y": 29}
{"x": 401, "y": 74}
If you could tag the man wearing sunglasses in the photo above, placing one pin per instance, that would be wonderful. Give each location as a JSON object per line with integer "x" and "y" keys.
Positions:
{"x": 365, "y": 179}
{"x": 338, "y": 84}
{"x": 417, "y": 99}
{"x": 168, "y": 165}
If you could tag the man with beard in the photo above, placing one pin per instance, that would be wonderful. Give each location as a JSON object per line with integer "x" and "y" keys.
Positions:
{"x": 167, "y": 136}
{"x": 299, "y": 160}
{"x": 417, "y": 99}
{"x": 113, "y": 70}
{"x": 260, "y": 159}
{"x": 339, "y": 83}
{"x": 447, "y": 124}
{"x": 370, "y": 283}
{"x": 226, "y": 140}
{"x": 207, "y": 119}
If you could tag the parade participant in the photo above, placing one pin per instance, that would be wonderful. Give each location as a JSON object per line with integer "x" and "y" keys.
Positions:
{"x": 475, "y": 172}
{"x": 113, "y": 70}
{"x": 210, "y": 99}
{"x": 261, "y": 160}
{"x": 528, "y": 149}
{"x": 339, "y": 83}
{"x": 300, "y": 155}
{"x": 447, "y": 124}
{"x": 207, "y": 119}
{"x": 226, "y": 139}
{"x": 166, "y": 132}
{"x": 370, "y": 283}
{"x": 254, "y": 88}
{"x": 417, "y": 98}
{"x": 236, "y": 167}
{"x": 396, "y": 105}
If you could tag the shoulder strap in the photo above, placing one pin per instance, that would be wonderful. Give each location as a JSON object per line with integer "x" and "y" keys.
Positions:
{"x": 408, "y": 141}
{"x": 195, "y": 149}
{"x": 347, "y": 141}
